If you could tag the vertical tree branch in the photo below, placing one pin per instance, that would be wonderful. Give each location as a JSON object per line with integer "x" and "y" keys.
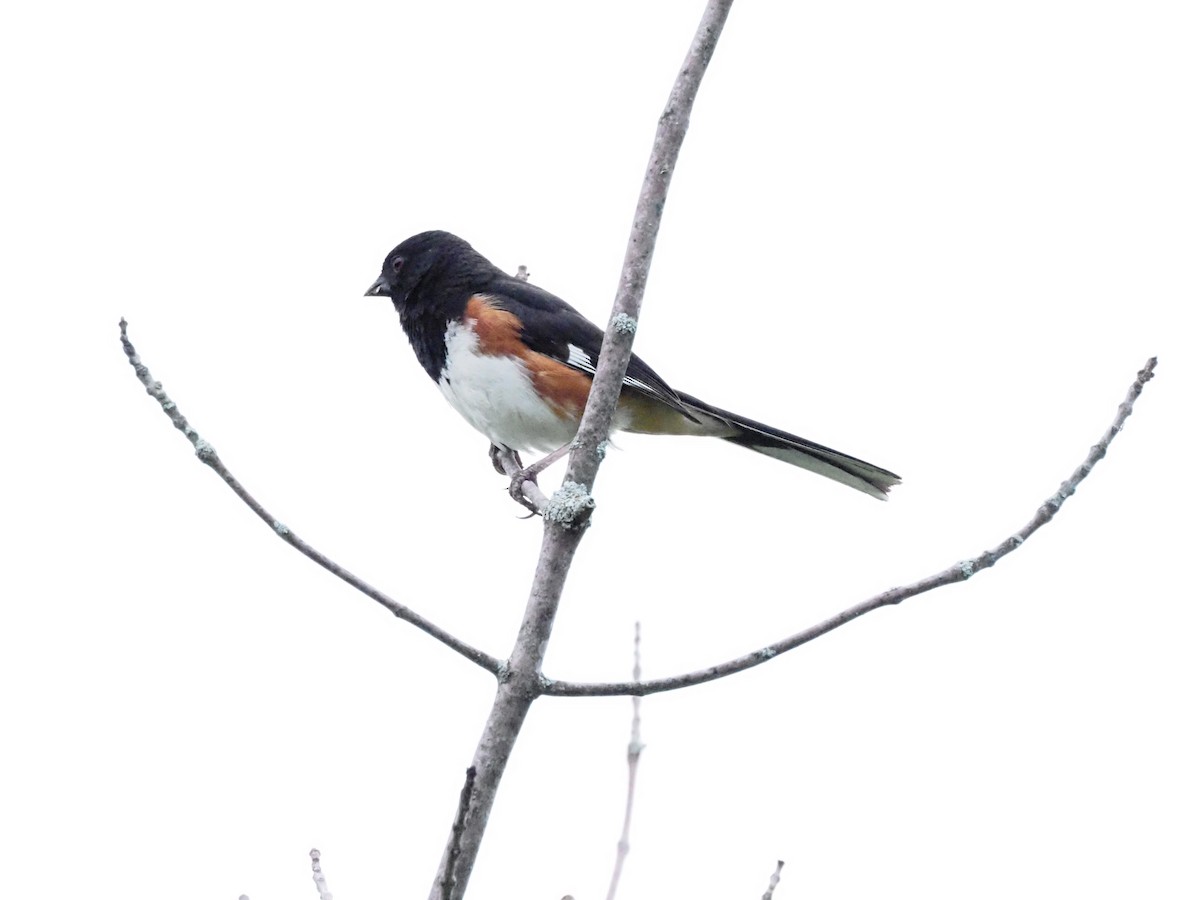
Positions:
{"x": 567, "y": 514}
{"x": 520, "y": 684}
{"x": 456, "y": 830}
{"x": 618, "y": 340}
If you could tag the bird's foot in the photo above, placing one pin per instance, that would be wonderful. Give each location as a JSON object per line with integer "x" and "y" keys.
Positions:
{"x": 508, "y": 462}
{"x": 530, "y": 474}
{"x": 516, "y": 490}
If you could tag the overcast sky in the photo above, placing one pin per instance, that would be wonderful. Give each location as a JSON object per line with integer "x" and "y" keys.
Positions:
{"x": 939, "y": 236}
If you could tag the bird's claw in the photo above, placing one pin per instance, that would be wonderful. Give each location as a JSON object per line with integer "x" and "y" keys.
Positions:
{"x": 517, "y": 492}
{"x": 501, "y": 455}
{"x": 496, "y": 452}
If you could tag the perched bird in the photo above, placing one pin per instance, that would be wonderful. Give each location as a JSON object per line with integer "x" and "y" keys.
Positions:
{"x": 517, "y": 362}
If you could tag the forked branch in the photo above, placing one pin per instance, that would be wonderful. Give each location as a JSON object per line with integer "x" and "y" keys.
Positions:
{"x": 774, "y": 882}
{"x": 568, "y": 509}
{"x": 960, "y": 571}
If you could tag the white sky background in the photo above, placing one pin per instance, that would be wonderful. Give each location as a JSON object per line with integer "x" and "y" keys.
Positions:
{"x": 940, "y": 236}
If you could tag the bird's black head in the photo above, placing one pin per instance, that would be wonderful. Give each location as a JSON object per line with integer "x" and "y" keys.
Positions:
{"x": 425, "y": 259}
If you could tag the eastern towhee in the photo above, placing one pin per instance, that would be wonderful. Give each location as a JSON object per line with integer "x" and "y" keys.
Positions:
{"x": 517, "y": 362}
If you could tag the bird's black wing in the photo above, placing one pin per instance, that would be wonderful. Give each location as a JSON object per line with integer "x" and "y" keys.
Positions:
{"x": 551, "y": 326}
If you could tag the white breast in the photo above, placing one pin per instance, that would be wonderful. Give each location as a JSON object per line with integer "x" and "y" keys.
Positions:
{"x": 495, "y": 395}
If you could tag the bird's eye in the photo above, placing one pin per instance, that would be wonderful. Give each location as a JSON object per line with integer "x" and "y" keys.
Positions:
{"x": 397, "y": 263}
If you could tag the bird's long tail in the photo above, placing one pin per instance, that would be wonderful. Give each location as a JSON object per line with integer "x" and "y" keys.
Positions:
{"x": 860, "y": 475}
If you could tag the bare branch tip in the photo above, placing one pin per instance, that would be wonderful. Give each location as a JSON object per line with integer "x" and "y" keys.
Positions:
{"x": 319, "y": 876}
{"x": 774, "y": 882}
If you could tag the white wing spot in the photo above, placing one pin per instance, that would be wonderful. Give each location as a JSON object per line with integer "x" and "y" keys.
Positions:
{"x": 637, "y": 383}
{"x": 580, "y": 359}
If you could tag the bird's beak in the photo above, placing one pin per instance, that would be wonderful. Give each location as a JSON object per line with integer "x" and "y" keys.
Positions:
{"x": 379, "y": 288}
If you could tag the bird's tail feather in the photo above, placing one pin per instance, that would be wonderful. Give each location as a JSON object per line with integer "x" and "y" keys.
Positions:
{"x": 860, "y": 475}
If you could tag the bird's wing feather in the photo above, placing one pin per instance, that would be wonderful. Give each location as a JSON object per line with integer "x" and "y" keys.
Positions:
{"x": 551, "y": 326}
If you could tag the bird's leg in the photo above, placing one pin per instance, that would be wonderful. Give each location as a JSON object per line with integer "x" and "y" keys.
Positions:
{"x": 508, "y": 462}
{"x": 529, "y": 473}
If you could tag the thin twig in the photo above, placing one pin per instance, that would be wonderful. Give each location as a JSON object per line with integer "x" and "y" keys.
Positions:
{"x": 319, "y": 876}
{"x": 456, "y": 833}
{"x": 960, "y": 571}
{"x": 569, "y": 509}
{"x": 208, "y": 456}
{"x": 633, "y": 755}
{"x": 774, "y": 883}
